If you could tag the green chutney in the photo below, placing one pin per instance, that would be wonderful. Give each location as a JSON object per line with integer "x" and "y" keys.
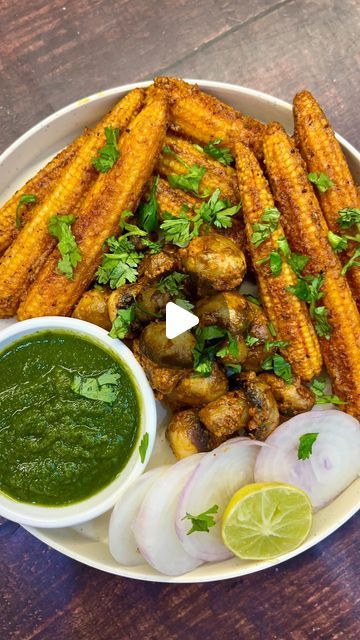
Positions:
{"x": 58, "y": 447}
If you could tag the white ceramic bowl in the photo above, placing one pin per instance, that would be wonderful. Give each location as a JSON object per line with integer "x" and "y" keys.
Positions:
{"x": 42, "y": 516}
{"x": 87, "y": 543}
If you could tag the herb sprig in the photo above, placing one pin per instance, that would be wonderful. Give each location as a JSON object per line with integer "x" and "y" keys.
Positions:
{"x": 60, "y": 227}
{"x": 306, "y": 442}
{"x": 109, "y": 153}
{"x": 189, "y": 181}
{"x": 26, "y": 198}
{"x": 203, "y": 521}
{"x": 213, "y": 149}
{"x": 318, "y": 387}
{"x": 268, "y": 224}
{"x": 321, "y": 181}
{"x": 102, "y": 387}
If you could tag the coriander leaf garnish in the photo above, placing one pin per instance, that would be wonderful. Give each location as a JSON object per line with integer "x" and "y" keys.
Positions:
{"x": 318, "y": 387}
{"x": 189, "y": 181}
{"x": 217, "y": 212}
{"x": 185, "y": 304}
{"x": 181, "y": 229}
{"x": 232, "y": 369}
{"x": 120, "y": 264}
{"x": 310, "y": 291}
{"x": 143, "y": 447}
{"x": 26, "y": 198}
{"x": 284, "y": 246}
{"x": 272, "y": 329}
{"x": 59, "y": 226}
{"x": 148, "y": 211}
{"x": 279, "y": 366}
{"x": 109, "y": 153}
{"x": 321, "y": 181}
{"x": 338, "y": 243}
{"x": 298, "y": 263}
{"x": 306, "y": 442}
{"x": 251, "y": 340}
{"x": 203, "y": 521}
{"x": 276, "y": 344}
{"x": 253, "y": 299}
{"x": 267, "y": 225}
{"x": 221, "y": 154}
{"x": 275, "y": 263}
{"x": 203, "y": 353}
{"x": 122, "y": 322}
{"x": 348, "y": 217}
{"x": 229, "y": 349}
{"x": 173, "y": 283}
{"x": 353, "y": 262}
{"x": 102, "y": 388}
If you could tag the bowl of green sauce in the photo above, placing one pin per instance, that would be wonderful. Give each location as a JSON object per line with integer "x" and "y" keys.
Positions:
{"x": 77, "y": 421}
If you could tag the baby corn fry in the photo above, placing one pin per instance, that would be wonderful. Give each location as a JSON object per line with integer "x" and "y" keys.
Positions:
{"x": 40, "y": 186}
{"x": 172, "y": 200}
{"x": 216, "y": 175}
{"x": 114, "y": 192}
{"x": 322, "y": 153}
{"x": 202, "y": 117}
{"x": 306, "y": 231}
{"x": 23, "y": 259}
{"x": 287, "y": 313}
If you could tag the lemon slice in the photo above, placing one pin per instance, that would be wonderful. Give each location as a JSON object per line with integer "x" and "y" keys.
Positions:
{"x": 265, "y": 520}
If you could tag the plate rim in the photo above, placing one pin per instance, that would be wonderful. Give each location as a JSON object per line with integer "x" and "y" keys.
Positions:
{"x": 42, "y": 534}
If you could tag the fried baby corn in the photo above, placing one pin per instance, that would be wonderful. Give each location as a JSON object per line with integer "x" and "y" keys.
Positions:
{"x": 322, "y": 153}
{"x": 114, "y": 192}
{"x": 172, "y": 200}
{"x": 306, "y": 231}
{"x": 216, "y": 176}
{"x": 202, "y": 117}
{"x": 40, "y": 186}
{"x": 23, "y": 259}
{"x": 287, "y": 313}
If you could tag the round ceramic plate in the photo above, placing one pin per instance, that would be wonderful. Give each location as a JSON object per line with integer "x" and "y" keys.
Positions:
{"x": 88, "y": 542}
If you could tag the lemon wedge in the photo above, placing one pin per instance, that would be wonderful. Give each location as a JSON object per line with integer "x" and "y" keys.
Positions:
{"x": 265, "y": 520}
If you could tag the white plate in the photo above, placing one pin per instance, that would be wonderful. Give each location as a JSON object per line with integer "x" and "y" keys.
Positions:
{"x": 88, "y": 542}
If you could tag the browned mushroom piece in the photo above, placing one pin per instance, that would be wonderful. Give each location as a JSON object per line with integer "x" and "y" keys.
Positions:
{"x": 151, "y": 303}
{"x": 93, "y": 307}
{"x": 236, "y": 232}
{"x": 174, "y": 354}
{"x": 186, "y": 434}
{"x": 227, "y": 414}
{"x": 196, "y": 391}
{"x": 123, "y": 297}
{"x": 242, "y": 352}
{"x": 214, "y": 260}
{"x": 158, "y": 264}
{"x": 258, "y": 329}
{"x": 291, "y": 398}
{"x": 263, "y": 409}
{"x": 228, "y": 309}
{"x": 162, "y": 380}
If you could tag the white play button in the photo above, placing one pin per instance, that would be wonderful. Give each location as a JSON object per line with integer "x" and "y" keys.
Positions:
{"x": 178, "y": 320}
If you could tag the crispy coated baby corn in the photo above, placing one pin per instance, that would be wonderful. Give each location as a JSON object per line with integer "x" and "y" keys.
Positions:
{"x": 40, "y": 186}
{"x": 23, "y": 259}
{"x": 217, "y": 175}
{"x": 288, "y": 314}
{"x": 202, "y": 117}
{"x": 306, "y": 231}
{"x": 322, "y": 153}
{"x": 172, "y": 200}
{"x": 114, "y": 192}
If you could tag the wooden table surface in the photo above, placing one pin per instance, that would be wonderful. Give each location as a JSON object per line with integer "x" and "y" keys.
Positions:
{"x": 54, "y": 52}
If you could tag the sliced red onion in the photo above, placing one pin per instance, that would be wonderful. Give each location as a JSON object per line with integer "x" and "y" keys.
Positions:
{"x": 122, "y": 543}
{"x": 333, "y": 464}
{"x": 215, "y": 480}
{"x": 154, "y": 526}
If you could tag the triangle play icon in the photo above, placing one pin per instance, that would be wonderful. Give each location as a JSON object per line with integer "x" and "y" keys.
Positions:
{"x": 178, "y": 320}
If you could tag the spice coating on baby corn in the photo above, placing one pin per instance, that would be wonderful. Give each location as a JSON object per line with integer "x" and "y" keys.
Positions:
{"x": 202, "y": 117}
{"x": 287, "y": 313}
{"x": 306, "y": 231}
{"x": 322, "y": 153}
{"x": 23, "y": 259}
{"x": 173, "y": 200}
{"x": 216, "y": 175}
{"x": 114, "y": 192}
{"x": 40, "y": 186}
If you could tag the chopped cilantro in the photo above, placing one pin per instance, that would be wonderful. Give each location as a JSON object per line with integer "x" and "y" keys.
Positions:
{"x": 306, "y": 442}
{"x": 218, "y": 212}
{"x": 148, "y": 211}
{"x": 26, "y": 198}
{"x": 59, "y": 226}
{"x": 267, "y": 225}
{"x": 181, "y": 229}
{"x": 221, "y": 154}
{"x": 122, "y": 322}
{"x": 109, "y": 153}
{"x": 353, "y": 262}
{"x": 318, "y": 387}
{"x": 143, "y": 447}
{"x": 338, "y": 243}
{"x": 203, "y": 521}
{"x": 101, "y": 388}
{"x": 279, "y": 366}
{"x": 321, "y": 181}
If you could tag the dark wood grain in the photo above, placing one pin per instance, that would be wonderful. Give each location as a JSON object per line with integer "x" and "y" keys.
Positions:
{"x": 52, "y": 53}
